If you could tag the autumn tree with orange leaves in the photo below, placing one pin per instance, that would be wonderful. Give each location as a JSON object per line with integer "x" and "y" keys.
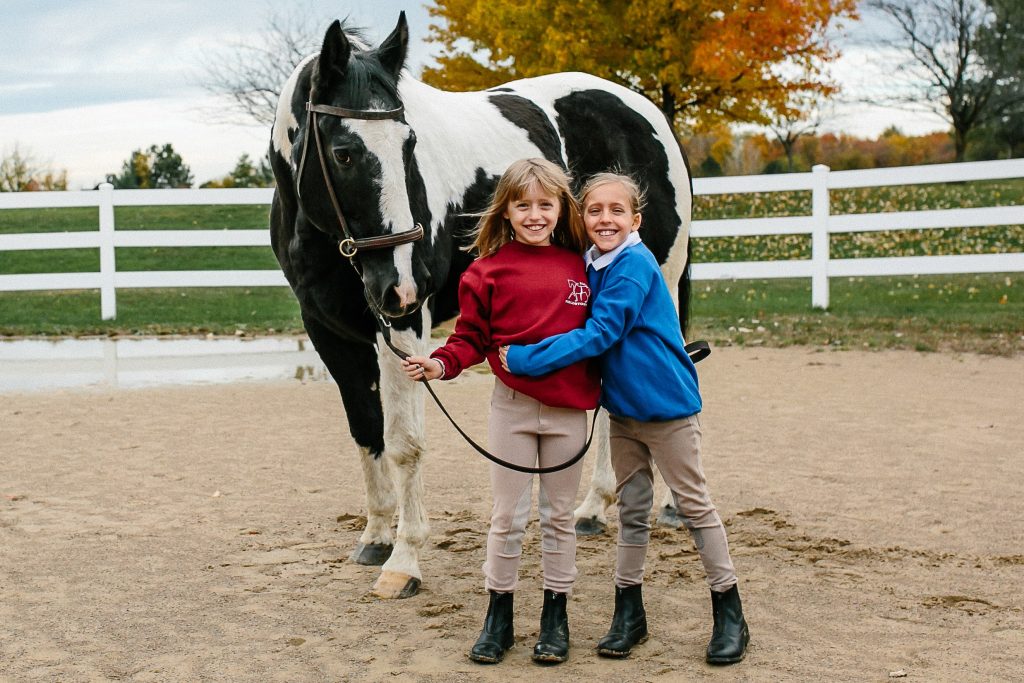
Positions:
{"x": 702, "y": 61}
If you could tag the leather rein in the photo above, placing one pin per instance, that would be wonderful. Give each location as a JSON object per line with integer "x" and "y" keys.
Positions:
{"x": 349, "y": 246}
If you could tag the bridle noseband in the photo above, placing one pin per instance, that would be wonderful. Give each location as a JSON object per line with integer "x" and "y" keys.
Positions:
{"x": 349, "y": 246}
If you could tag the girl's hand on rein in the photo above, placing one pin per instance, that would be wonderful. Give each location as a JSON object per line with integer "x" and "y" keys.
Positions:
{"x": 418, "y": 368}
{"x": 503, "y": 356}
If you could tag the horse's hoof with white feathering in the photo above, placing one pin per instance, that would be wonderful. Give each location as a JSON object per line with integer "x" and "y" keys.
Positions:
{"x": 590, "y": 526}
{"x": 393, "y": 585}
{"x": 371, "y": 554}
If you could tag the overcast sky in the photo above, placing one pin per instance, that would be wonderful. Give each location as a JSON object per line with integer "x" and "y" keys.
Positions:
{"x": 85, "y": 82}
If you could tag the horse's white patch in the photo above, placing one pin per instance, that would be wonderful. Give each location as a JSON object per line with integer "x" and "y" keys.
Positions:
{"x": 457, "y": 133}
{"x": 404, "y": 435}
{"x": 285, "y": 121}
{"x": 380, "y": 499}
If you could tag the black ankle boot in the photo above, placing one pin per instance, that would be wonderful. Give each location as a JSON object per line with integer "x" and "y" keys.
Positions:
{"x": 553, "y": 642}
{"x": 730, "y": 636}
{"x": 629, "y": 623}
{"x": 497, "y": 636}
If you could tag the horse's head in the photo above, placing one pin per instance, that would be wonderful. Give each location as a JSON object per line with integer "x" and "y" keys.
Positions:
{"x": 361, "y": 148}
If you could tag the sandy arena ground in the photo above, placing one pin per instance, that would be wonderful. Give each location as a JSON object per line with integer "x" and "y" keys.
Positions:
{"x": 873, "y": 501}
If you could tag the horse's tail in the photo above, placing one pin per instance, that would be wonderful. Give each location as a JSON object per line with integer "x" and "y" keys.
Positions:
{"x": 685, "y": 290}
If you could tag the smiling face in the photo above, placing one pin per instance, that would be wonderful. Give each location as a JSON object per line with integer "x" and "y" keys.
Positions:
{"x": 608, "y": 216}
{"x": 533, "y": 216}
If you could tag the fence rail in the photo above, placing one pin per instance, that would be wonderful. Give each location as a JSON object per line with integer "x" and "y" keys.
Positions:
{"x": 820, "y": 225}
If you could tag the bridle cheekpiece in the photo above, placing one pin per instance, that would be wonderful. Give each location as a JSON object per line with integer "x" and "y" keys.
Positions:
{"x": 349, "y": 246}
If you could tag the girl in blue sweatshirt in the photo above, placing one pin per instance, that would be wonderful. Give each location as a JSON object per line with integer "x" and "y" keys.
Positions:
{"x": 649, "y": 387}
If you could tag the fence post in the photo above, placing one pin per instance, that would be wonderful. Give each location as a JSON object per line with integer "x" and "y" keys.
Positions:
{"x": 819, "y": 236}
{"x": 108, "y": 294}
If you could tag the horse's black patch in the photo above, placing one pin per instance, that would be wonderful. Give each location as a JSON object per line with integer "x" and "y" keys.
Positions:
{"x": 602, "y": 133}
{"x": 500, "y": 89}
{"x": 531, "y": 118}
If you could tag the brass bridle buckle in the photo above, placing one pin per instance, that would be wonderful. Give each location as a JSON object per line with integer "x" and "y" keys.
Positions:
{"x": 347, "y": 247}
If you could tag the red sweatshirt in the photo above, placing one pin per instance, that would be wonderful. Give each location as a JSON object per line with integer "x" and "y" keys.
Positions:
{"x": 522, "y": 294}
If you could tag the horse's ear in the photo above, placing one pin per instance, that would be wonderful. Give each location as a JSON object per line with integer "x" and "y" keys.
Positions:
{"x": 334, "y": 56}
{"x": 392, "y": 51}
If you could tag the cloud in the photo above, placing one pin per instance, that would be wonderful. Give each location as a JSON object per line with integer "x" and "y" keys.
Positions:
{"x": 92, "y": 141}
{"x": 85, "y": 82}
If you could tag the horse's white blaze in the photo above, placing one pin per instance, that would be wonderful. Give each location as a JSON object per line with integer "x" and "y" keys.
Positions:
{"x": 386, "y": 140}
{"x": 285, "y": 121}
{"x": 450, "y": 148}
{"x": 406, "y": 288}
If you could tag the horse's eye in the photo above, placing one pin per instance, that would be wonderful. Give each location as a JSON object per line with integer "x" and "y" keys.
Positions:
{"x": 343, "y": 156}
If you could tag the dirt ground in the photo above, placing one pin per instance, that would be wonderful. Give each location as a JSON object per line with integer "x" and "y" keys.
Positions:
{"x": 873, "y": 502}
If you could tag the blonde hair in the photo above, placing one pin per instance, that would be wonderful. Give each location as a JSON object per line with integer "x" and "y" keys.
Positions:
{"x": 494, "y": 230}
{"x": 637, "y": 197}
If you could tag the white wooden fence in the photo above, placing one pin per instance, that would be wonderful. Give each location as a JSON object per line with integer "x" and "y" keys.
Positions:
{"x": 820, "y": 224}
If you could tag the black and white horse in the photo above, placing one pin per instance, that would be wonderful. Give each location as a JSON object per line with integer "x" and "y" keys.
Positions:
{"x": 429, "y": 158}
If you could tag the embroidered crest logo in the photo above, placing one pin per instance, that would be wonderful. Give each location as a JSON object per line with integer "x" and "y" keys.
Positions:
{"x": 579, "y": 293}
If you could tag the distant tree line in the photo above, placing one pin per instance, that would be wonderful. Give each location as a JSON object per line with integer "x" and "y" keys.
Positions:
{"x": 721, "y": 152}
{"x": 246, "y": 174}
{"x": 156, "y": 167}
{"x": 20, "y": 172}
{"x": 162, "y": 167}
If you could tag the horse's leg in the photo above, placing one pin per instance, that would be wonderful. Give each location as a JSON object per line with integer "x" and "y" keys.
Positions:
{"x": 674, "y": 270}
{"x": 404, "y": 436}
{"x": 590, "y": 515}
{"x": 354, "y": 368}
{"x": 376, "y": 542}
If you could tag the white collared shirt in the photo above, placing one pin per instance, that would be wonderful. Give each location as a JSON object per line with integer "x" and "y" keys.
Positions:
{"x": 594, "y": 257}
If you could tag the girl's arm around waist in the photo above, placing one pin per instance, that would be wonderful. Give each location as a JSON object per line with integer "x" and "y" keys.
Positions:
{"x": 614, "y": 312}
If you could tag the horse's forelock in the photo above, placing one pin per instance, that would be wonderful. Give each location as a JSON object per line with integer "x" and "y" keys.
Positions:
{"x": 356, "y": 36}
{"x": 367, "y": 85}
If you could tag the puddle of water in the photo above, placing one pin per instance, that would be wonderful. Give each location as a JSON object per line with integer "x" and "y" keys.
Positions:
{"x": 39, "y": 364}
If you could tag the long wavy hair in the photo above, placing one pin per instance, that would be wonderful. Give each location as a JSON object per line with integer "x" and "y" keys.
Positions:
{"x": 494, "y": 230}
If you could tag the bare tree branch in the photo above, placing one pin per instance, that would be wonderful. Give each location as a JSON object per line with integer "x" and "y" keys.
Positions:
{"x": 249, "y": 75}
{"x": 941, "y": 63}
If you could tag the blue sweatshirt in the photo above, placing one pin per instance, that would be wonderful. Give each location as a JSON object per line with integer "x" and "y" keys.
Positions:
{"x": 634, "y": 327}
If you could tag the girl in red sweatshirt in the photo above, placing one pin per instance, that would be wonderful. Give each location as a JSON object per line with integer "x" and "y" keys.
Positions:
{"x": 527, "y": 284}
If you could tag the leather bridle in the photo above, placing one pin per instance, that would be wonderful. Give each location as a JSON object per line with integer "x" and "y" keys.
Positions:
{"x": 349, "y": 246}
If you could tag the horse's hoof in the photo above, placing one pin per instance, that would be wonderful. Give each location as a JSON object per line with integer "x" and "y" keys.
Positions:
{"x": 669, "y": 516}
{"x": 372, "y": 554}
{"x": 590, "y": 526}
{"x": 392, "y": 585}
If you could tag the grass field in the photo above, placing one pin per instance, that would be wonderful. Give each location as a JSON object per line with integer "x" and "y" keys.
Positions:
{"x": 982, "y": 313}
